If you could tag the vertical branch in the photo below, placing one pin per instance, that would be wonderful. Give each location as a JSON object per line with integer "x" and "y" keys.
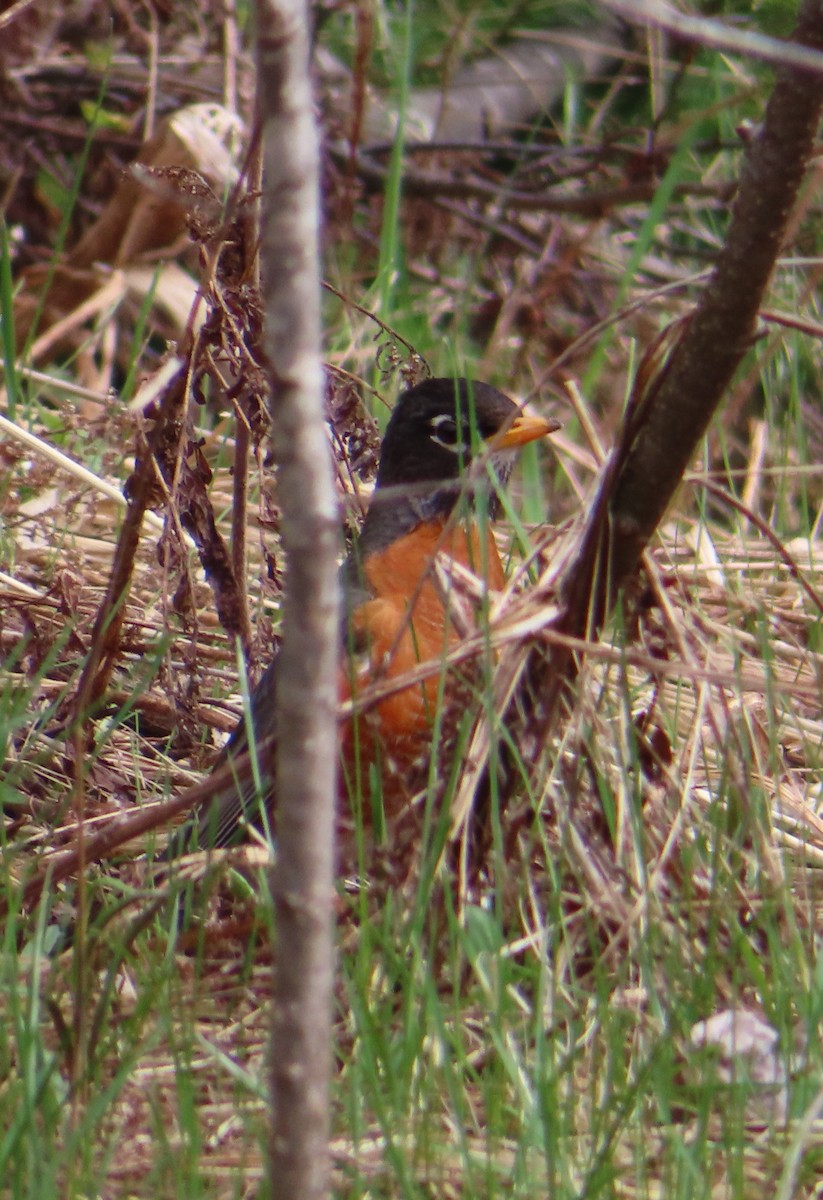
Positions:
{"x": 686, "y": 377}
{"x": 666, "y": 431}
{"x": 302, "y": 879}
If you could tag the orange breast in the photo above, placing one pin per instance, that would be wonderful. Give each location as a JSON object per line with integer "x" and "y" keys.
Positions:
{"x": 405, "y": 624}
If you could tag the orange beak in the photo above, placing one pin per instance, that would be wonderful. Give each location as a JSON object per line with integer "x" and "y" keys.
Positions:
{"x": 526, "y": 427}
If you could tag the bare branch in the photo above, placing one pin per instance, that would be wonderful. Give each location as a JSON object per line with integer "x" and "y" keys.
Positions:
{"x": 664, "y": 435}
{"x": 302, "y": 879}
{"x": 681, "y": 386}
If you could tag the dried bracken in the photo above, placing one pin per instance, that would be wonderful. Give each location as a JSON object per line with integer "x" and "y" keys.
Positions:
{"x": 671, "y": 810}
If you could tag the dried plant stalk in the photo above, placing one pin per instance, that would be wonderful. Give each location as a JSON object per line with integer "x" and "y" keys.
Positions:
{"x": 302, "y": 880}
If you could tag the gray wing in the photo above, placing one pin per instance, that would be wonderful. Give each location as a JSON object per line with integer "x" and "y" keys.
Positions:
{"x": 237, "y": 801}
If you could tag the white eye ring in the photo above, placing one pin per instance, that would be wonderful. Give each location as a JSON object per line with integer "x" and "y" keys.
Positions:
{"x": 448, "y": 438}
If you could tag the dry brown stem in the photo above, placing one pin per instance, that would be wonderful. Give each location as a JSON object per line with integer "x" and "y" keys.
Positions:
{"x": 302, "y": 880}
{"x": 680, "y": 387}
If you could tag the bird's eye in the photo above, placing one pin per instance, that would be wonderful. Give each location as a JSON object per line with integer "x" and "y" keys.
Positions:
{"x": 444, "y": 430}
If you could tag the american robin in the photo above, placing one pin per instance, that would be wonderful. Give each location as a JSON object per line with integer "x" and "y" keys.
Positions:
{"x": 397, "y": 613}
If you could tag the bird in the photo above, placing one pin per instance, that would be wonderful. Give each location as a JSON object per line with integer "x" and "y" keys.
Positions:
{"x": 433, "y": 502}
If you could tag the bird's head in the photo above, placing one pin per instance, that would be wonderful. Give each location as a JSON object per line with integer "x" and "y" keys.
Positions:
{"x": 439, "y": 428}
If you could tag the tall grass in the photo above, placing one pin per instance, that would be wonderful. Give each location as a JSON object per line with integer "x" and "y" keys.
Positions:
{"x": 527, "y": 1029}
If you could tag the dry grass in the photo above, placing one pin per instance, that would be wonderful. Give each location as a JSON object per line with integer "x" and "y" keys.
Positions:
{"x": 691, "y": 753}
{"x": 523, "y": 1022}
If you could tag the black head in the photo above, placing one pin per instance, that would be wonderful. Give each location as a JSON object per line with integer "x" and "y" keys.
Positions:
{"x": 435, "y": 431}
{"x": 437, "y": 427}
